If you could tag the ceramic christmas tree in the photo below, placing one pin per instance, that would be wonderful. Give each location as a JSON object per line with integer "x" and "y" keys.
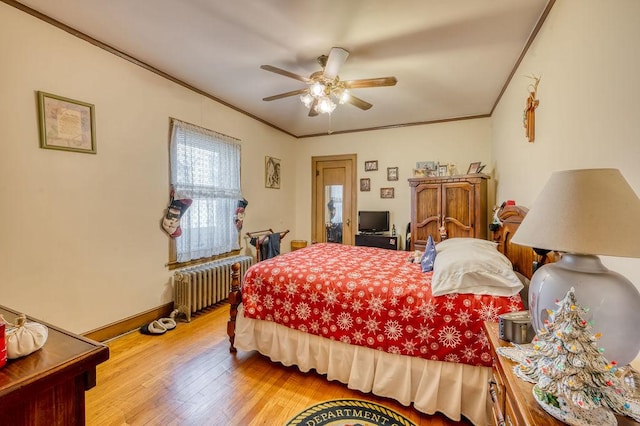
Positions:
{"x": 574, "y": 381}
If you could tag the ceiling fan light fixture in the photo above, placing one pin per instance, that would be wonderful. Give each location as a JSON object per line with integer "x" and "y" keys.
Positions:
{"x": 325, "y": 106}
{"x": 307, "y": 100}
{"x": 317, "y": 89}
{"x": 325, "y": 89}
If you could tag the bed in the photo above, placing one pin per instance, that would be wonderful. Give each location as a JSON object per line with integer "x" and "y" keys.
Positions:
{"x": 369, "y": 318}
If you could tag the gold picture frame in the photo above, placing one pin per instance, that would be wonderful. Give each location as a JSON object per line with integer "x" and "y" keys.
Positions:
{"x": 66, "y": 124}
{"x": 272, "y": 172}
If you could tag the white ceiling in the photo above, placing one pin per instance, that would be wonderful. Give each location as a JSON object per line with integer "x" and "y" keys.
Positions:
{"x": 451, "y": 58}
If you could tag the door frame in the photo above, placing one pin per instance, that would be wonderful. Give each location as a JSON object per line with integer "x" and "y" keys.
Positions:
{"x": 353, "y": 214}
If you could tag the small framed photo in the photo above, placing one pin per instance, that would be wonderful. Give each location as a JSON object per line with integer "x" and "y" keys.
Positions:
{"x": 371, "y": 166}
{"x": 426, "y": 165}
{"x": 420, "y": 172}
{"x": 392, "y": 173}
{"x": 473, "y": 168}
{"x": 272, "y": 172}
{"x": 365, "y": 184}
{"x": 481, "y": 168}
{"x": 66, "y": 124}
{"x": 386, "y": 192}
{"x": 443, "y": 170}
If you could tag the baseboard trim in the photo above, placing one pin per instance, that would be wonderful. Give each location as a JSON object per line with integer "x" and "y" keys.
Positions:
{"x": 127, "y": 324}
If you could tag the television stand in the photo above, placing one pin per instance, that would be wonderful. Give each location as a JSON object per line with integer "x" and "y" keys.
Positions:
{"x": 377, "y": 240}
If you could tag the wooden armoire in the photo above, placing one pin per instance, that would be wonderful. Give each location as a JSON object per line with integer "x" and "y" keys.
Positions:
{"x": 448, "y": 207}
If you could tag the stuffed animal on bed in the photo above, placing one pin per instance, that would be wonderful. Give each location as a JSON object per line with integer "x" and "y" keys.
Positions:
{"x": 415, "y": 257}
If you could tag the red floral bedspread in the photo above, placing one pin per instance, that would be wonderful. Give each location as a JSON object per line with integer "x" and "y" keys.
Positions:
{"x": 371, "y": 297}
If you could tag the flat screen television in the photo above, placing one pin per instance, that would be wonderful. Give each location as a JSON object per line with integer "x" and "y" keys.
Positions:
{"x": 373, "y": 222}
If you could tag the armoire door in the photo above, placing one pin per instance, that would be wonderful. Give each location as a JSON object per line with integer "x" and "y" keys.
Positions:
{"x": 426, "y": 200}
{"x": 458, "y": 209}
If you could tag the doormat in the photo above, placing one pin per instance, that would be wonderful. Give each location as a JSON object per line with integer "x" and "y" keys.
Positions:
{"x": 349, "y": 412}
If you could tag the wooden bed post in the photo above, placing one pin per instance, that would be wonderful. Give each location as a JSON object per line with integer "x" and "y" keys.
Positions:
{"x": 235, "y": 297}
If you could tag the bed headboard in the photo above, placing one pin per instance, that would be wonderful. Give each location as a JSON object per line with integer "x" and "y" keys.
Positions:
{"x": 521, "y": 257}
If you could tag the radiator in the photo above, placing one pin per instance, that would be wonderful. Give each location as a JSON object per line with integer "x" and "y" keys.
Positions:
{"x": 202, "y": 286}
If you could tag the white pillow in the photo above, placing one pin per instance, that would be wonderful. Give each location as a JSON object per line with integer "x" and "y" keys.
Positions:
{"x": 469, "y": 265}
{"x": 465, "y": 242}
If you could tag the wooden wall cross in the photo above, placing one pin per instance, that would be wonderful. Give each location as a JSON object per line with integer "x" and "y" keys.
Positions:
{"x": 529, "y": 116}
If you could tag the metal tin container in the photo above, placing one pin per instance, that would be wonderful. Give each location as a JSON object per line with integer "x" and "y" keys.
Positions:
{"x": 516, "y": 327}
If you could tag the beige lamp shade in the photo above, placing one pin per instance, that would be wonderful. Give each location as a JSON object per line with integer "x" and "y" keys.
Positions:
{"x": 588, "y": 211}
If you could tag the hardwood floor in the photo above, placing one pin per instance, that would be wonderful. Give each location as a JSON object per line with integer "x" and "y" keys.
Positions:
{"x": 188, "y": 377}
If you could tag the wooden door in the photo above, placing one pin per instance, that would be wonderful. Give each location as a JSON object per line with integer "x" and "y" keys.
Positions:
{"x": 458, "y": 209}
{"x": 333, "y": 204}
{"x": 425, "y": 204}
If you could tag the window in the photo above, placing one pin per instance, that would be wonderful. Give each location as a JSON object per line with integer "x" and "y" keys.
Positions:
{"x": 205, "y": 167}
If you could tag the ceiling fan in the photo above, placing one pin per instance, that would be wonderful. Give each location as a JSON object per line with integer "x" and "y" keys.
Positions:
{"x": 324, "y": 88}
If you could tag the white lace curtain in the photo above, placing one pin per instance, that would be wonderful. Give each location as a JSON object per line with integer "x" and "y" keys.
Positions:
{"x": 205, "y": 167}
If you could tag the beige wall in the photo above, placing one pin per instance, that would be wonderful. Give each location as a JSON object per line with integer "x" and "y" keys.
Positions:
{"x": 82, "y": 245}
{"x": 589, "y": 61}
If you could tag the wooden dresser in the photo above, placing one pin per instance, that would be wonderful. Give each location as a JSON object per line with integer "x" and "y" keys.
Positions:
{"x": 457, "y": 202}
{"x": 47, "y": 386}
{"x": 511, "y": 399}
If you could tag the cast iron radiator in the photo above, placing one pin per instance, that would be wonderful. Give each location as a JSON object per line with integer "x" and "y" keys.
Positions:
{"x": 202, "y": 286}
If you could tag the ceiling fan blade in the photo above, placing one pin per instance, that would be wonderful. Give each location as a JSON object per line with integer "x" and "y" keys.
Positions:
{"x": 364, "y": 105}
{"x": 285, "y": 73}
{"x": 370, "y": 82}
{"x": 336, "y": 58}
{"x": 285, "y": 95}
{"x": 312, "y": 110}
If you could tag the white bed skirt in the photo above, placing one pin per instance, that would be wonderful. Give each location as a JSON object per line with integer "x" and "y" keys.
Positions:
{"x": 432, "y": 386}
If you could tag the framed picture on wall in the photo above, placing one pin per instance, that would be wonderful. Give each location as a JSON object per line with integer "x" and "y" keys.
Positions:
{"x": 392, "y": 173}
{"x": 272, "y": 172}
{"x": 371, "y": 166}
{"x": 66, "y": 124}
{"x": 365, "y": 184}
{"x": 386, "y": 192}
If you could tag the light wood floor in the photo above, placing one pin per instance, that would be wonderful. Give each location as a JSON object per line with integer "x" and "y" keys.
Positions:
{"x": 188, "y": 377}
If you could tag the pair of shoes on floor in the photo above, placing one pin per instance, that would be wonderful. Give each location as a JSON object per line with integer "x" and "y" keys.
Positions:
{"x": 159, "y": 326}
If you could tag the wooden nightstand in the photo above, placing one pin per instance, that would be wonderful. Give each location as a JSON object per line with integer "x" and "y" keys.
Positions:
{"x": 512, "y": 402}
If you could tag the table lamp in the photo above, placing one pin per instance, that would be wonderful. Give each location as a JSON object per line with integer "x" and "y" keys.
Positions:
{"x": 583, "y": 214}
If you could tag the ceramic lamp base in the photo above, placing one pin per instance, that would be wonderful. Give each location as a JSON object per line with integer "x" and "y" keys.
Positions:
{"x": 613, "y": 301}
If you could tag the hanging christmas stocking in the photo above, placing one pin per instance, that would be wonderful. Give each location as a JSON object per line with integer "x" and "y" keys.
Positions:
{"x": 239, "y": 216}
{"x": 171, "y": 220}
